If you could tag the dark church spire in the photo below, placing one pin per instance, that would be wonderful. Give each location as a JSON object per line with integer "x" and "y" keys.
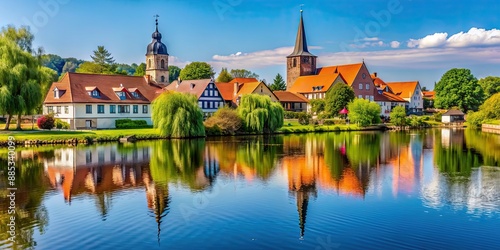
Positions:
{"x": 301, "y": 42}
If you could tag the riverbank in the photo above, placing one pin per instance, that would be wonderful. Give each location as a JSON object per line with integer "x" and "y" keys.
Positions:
{"x": 73, "y": 137}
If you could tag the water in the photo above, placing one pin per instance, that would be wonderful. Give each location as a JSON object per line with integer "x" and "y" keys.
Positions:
{"x": 433, "y": 189}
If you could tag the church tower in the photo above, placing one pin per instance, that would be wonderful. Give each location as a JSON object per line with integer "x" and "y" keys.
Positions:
{"x": 300, "y": 62}
{"x": 157, "y": 58}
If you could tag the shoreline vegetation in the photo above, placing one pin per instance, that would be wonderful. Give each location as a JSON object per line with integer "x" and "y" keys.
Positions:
{"x": 74, "y": 137}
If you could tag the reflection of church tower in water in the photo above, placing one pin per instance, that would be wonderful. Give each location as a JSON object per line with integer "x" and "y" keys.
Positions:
{"x": 158, "y": 199}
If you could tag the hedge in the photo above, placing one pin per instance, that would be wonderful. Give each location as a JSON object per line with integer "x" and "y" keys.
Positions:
{"x": 129, "y": 123}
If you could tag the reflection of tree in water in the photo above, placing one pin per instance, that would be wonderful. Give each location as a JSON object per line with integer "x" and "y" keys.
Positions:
{"x": 30, "y": 213}
{"x": 452, "y": 156}
{"x": 259, "y": 153}
{"x": 178, "y": 161}
{"x": 487, "y": 144}
{"x": 158, "y": 199}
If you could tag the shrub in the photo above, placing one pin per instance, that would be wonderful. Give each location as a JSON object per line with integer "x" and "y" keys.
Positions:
{"x": 46, "y": 122}
{"x": 363, "y": 112}
{"x": 213, "y": 130}
{"x": 226, "y": 120}
{"x": 60, "y": 124}
{"x": 398, "y": 116}
{"x": 129, "y": 123}
{"x": 328, "y": 122}
{"x": 475, "y": 119}
{"x": 437, "y": 116}
{"x": 304, "y": 118}
{"x": 291, "y": 115}
{"x": 178, "y": 115}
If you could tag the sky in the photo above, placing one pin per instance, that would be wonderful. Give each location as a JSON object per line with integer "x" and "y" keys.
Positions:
{"x": 401, "y": 40}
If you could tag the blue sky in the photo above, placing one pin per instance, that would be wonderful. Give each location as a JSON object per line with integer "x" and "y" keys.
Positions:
{"x": 400, "y": 40}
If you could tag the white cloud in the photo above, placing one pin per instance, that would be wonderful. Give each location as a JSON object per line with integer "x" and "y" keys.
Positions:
{"x": 430, "y": 41}
{"x": 473, "y": 37}
{"x": 395, "y": 44}
{"x": 367, "y": 44}
{"x": 370, "y": 39}
{"x": 173, "y": 60}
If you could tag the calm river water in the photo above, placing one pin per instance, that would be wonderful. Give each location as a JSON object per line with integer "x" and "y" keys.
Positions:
{"x": 431, "y": 189}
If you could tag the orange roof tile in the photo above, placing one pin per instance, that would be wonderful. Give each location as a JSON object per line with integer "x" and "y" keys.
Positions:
{"x": 429, "y": 94}
{"x": 307, "y": 84}
{"x": 247, "y": 88}
{"x": 226, "y": 90}
{"x": 403, "y": 89}
{"x": 195, "y": 87}
{"x": 243, "y": 80}
{"x": 348, "y": 71}
{"x": 76, "y": 86}
{"x": 287, "y": 96}
{"x": 388, "y": 97}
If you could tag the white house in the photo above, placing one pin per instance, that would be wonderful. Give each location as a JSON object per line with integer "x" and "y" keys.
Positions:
{"x": 91, "y": 101}
{"x": 411, "y": 92}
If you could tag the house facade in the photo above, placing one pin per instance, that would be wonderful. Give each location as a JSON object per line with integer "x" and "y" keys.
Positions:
{"x": 385, "y": 97}
{"x": 91, "y": 101}
{"x": 411, "y": 92}
{"x": 236, "y": 88}
{"x": 292, "y": 101}
{"x": 209, "y": 96}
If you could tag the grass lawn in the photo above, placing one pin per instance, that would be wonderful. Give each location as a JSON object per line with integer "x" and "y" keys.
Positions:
{"x": 293, "y": 126}
{"x": 81, "y": 134}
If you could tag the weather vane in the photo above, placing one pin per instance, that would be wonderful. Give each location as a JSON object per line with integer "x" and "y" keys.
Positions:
{"x": 301, "y": 7}
{"x": 156, "y": 16}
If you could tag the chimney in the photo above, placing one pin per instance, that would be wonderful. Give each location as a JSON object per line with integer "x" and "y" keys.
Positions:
{"x": 192, "y": 85}
{"x": 375, "y": 74}
{"x": 178, "y": 82}
{"x": 235, "y": 89}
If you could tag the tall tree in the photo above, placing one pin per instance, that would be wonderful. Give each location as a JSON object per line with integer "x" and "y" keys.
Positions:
{"x": 278, "y": 83}
{"x": 54, "y": 62}
{"x": 197, "y": 70}
{"x": 243, "y": 73}
{"x": 102, "y": 56}
{"x": 173, "y": 73}
{"x": 459, "y": 88}
{"x": 260, "y": 114}
{"x": 337, "y": 98}
{"x": 490, "y": 85}
{"x": 20, "y": 81}
{"x": 140, "y": 70}
{"x": 22, "y": 37}
{"x": 224, "y": 76}
{"x": 71, "y": 65}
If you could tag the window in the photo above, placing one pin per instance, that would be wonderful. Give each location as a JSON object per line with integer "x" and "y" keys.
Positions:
{"x": 100, "y": 109}
{"x": 360, "y": 96}
{"x": 58, "y": 109}
{"x": 162, "y": 66}
{"x": 211, "y": 104}
{"x": 204, "y": 105}
{"x": 88, "y": 109}
{"x": 123, "y": 109}
{"x": 360, "y": 86}
{"x": 66, "y": 109}
{"x": 95, "y": 93}
{"x": 205, "y": 93}
{"x": 295, "y": 62}
{"x": 200, "y": 104}
{"x": 121, "y": 95}
{"x": 211, "y": 92}
{"x": 371, "y": 98}
{"x": 112, "y": 109}
{"x": 221, "y": 104}
{"x": 260, "y": 89}
{"x": 149, "y": 63}
{"x": 216, "y": 104}
{"x": 367, "y": 97}
{"x": 135, "y": 94}
{"x": 135, "y": 109}
{"x": 144, "y": 109}
{"x": 216, "y": 93}
{"x": 367, "y": 86}
{"x": 50, "y": 109}
{"x": 56, "y": 93}
{"x": 162, "y": 78}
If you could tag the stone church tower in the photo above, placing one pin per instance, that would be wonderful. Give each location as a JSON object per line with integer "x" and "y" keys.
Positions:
{"x": 157, "y": 58}
{"x": 300, "y": 62}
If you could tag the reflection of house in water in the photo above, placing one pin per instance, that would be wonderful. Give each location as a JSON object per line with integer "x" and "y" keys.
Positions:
{"x": 96, "y": 169}
{"x": 450, "y": 137}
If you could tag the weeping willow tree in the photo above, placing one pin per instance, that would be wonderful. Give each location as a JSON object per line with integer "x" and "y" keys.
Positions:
{"x": 260, "y": 114}
{"x": 178, "y": 115}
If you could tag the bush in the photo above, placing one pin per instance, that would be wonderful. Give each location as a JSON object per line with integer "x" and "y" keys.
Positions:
{"x": 415, "y": 121}
{"x": 226, "y": 120}
{"x": 60, "y": 124}
{"x": 291, "y": 115}
{"x": 398, "y": 116}
{"x": 363, "y": 112}
{"x": 437, "y": 116}
{"x": 46, "y": 122}
{"x": 304, "y": 118}
{"x": 129, "y": 123}
{"x": 475, "y": 119}
{"x": 213, "y": 130}
{"x": 328, "y": 122}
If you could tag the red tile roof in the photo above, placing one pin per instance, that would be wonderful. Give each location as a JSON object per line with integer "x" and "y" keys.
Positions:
{"x": 348, "y": 71}
{"x": 429, "y": 94}
{"x": 76, "y": 86}
{"x": 403, "y": 89}
{"x": 310, "y": 84}
{"x": 195, "y": 87}
{"x": 226, "y": 90}
{"x": 287, "y": 96}
{"x": 247, "y": 87}
{"x": 243, "y": 80}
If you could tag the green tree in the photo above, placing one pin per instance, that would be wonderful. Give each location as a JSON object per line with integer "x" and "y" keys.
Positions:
{"x": 102, "y": 56}
{"x": 71, "y": 65}
{"x": 22, "y": 36}
{"x": 125, "y": 68}
{"x": 140, "y": 70}
{"x": 260, "y": 114}
{"x": 226, "y": 119}
{"x": 491, "y": 85}
{"x": 458, "y": 87}
{"x": 54, "y": 62}
{"x": 337, "y": 98}
{"x": 278, "y": 83}
{"x": 224, "y": 76}
{"x": 178, "y": 115}
{"x": 398, "y": 116}
{"x": 317, "y": 105}
{"x": 197, "y": 70}
{"x": 91, "y": 67}
{"x": 243, "y": 73}
{"x": 363, "y": 112}
{"x": 20, "y": 81}
{"x": 173, "y": 72}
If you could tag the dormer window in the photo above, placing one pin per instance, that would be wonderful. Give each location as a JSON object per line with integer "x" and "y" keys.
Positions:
{"x": 56, "y": 93}
{"x": 135, "y": 95}
{"x": 121, "y": 95}
{"x": 95, "y": 93}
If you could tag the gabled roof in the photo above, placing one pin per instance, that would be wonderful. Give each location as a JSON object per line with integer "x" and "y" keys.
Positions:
{"x": 300, "y": 48}
{"x": 310, "y": 84}
{"x": 195, "y": 87}
{"x": 429, "y": 94}
{"x": 226, "y": 90}
{"x": 454, "y": 112}
{"x": 348, "y": 71}
{"x": 388, "y": 97}
{"x": 403, "y": 89}
{"x": 247, "y": 88}
{"x": 243, "y": 80}
{"x": 287, "y": 96}
{"x": 77, "y": 86}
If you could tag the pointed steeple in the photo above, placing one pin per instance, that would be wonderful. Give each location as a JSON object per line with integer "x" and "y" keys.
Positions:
{"x": 301, "y": 42}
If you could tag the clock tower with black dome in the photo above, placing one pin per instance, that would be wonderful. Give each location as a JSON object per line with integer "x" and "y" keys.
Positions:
{"x": 157, "y": 58}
